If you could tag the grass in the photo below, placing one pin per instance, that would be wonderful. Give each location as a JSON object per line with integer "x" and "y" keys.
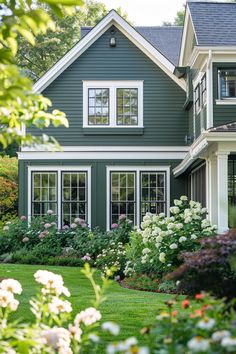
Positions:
{"x": 130, "y": 308}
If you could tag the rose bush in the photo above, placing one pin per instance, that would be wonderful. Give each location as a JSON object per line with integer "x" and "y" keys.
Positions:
{"x": 157, "y": 246}
{"x": 207, "y": 327}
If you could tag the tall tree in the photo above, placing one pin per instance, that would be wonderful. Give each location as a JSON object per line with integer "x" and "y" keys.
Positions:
{"x": 50, "y": 47}
{"x": 19, "y": 105}
{"x": 179, "y": 19}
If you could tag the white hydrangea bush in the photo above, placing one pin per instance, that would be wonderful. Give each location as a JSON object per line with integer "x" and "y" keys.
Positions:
{"x": 156, "y": 248}
{"x": 54, "y": 331}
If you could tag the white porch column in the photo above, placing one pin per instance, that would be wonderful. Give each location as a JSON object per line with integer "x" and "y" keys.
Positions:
{"x": 211, "y": 188}
{"x": 222, "y": 190}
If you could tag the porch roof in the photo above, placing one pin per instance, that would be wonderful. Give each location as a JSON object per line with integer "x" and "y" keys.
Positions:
{"x": 223, "y": 133}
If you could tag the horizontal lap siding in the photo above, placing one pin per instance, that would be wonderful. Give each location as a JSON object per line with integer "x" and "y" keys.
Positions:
{"x": 164, "y": 119}
{"x": 178, "y": 186}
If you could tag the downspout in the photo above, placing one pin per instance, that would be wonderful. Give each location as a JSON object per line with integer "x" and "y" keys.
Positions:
{"x": 209, "y": 91}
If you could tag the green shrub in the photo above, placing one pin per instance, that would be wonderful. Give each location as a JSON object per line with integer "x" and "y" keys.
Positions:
{"x": 209, "y": 268}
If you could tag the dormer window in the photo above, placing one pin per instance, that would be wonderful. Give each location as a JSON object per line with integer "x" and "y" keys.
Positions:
{"x": 112, "y": 104}
{"x": 227, "y": 83}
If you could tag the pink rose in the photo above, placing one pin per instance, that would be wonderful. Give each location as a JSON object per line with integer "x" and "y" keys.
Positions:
{"x": 65, "y": 227}
{"x": 23, "y": 218}
{"x": 122, "y": 217}
{"x": 47, "y": 225}
{"x": 114, "y": 226}
{"x": 50, "y": 212}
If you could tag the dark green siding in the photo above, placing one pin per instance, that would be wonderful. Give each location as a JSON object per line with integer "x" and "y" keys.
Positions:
{"x": 165, "y": 121}
{"x": 178, "y": 186}
{"x": 222, "y": 113}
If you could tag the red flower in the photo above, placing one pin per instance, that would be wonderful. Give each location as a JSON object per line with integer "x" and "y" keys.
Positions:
{"x": 199, "y": 296}
{"x": 185, "y": 304}
{"x": 174, "y": 313}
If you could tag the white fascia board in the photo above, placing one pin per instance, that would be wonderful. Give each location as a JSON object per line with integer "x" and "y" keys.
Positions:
{"x": 201, "y": 144}
{"x": 112, "y": 18}
{"x": 204, "y": 50}
{"x": 115, "y": 148}
{"x": 184, "y": 36}
{"x": 101, "y": 155}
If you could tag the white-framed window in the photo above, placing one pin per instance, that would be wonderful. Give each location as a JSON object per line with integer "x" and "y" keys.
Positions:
{"x": 64, "y": 189}
{"x": 203, "y": 90}
{"x": 197, "y": 99}
{"x": 112, "y": 104}
{"x": 227, "y": 83}
{"x": 136, "y": 190}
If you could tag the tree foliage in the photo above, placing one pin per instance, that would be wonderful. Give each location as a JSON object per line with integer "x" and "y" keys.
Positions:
{"x": 8, "y": 185}
{"x": 50, "y": 47}
{"x": 179, "y": 19}
{"x": 19, "y": 105}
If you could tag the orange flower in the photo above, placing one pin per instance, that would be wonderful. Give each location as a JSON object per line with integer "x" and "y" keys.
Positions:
{"x": 174, "y": 313}
{"x": 199, "y": 296}
{"x": 185, "y": 304}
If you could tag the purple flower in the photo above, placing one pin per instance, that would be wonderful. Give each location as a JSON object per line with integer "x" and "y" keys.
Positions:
{"x": 114, "y": 226}
{"x": 86, "y": 258}
{"x": 23, "y": 218}
{"x": 122, "y": 217}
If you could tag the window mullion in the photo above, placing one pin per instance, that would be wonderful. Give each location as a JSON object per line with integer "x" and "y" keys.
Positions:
{"x": 59, "y": 197}
{"x": 138, "y": 189}
{"x": 112, "y": 106}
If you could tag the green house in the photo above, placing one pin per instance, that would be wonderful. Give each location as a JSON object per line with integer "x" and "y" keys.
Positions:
{"x": 152, "y": 114}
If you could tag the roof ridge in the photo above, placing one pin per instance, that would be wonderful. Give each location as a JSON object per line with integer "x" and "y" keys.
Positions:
{"x": 211, "y": 2}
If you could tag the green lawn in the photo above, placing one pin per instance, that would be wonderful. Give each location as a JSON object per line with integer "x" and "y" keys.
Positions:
{"x": 130, "y": 308}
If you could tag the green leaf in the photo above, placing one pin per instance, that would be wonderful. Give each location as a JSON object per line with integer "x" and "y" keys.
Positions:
{"x": 26, "y": 34}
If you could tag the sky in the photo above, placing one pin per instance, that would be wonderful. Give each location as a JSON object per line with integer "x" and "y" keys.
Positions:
{"x": 147, "y": 12}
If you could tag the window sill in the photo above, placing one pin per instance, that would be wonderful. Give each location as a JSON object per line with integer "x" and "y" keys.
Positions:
{"x": 229, "y": 101}
{"x": 113, "y": 131}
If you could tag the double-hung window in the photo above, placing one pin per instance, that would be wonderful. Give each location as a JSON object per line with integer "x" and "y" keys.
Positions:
{"x": 136, "y": 191}
{"x": 66, "y": 192}
{"x": 112, "y": 104}
{"x": 227, "y": 83}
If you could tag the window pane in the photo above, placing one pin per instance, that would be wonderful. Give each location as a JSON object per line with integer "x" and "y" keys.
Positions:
{"x": 152, "y": 193}
{"x": 74, "y": 202}
{"x": 127, "y": 106}
{"x": 122, "y": 196}
{"x": 227, "y": 83}
{"x": 44, "y": 196}
{"x": 98, "y": 107}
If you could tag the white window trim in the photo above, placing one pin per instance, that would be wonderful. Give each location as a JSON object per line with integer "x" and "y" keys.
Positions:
{"x": 223, "y": 100}
{"x": 59, "y": 169}
{"x": 136, "y": 169}
{"x": 112, "y": 86}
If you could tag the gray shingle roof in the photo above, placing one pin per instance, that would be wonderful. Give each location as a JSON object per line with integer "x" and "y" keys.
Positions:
{"x": 230, "y": 127}
{"x": 166, "y": 39}
{"x": 214, "y": 23}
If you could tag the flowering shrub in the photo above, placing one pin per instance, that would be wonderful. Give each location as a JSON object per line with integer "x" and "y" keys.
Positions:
{"x": 209, "y": 268}
{"x": 112, "y": 257}
{"x": 54, "y": 330}
{"x": 156, "y": 248}
{"x": 40, "y": 242}
{"x": 208, "y": 327}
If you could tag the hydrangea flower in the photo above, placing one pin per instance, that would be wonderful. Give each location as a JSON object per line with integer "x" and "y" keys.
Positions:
{"x": 198, "y": 344}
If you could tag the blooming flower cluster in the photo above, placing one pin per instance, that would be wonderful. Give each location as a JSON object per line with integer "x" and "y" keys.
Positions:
{"x": 162, "y": 238}
{"x": 204, "y": 327}
{"x": 112, "y": 257}
{"x": 51, "y": 332}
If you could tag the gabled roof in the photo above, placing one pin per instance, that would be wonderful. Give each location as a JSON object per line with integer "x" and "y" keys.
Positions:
{"x": 166, "y": 39}
{"x": 112, "y": 18}
{"x": 214, "y": 22}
